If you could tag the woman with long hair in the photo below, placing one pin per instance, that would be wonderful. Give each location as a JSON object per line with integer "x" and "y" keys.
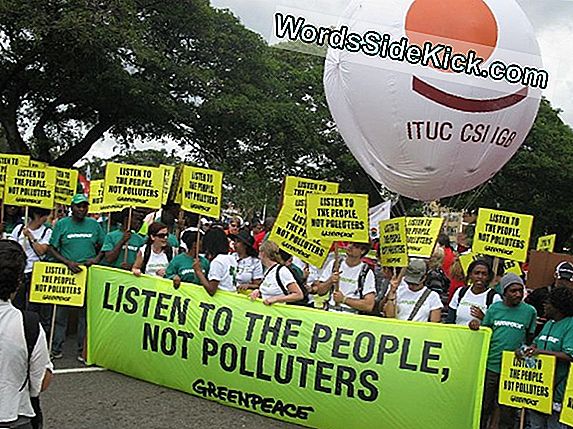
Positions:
{"x": 223, "y": 267}
{"x": 250, "y": 269}
{"x": 154, "y": 257}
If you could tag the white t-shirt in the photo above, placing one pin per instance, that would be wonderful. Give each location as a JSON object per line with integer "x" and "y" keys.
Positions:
{"x": 223, "y": 269}
{"x": 156, "y": 261}
{"x": 269, "y": 286}
{"x": 348, "y": 283}
{"x": 14, "y": 365}
{"x": 27, "y": 246}
{"x": 248, "y": 269}
{"x": 463, "y": 316}
{"x": 406, "y": 301}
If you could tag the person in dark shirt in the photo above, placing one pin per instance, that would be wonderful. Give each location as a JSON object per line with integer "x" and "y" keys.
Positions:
{"x": 563, "y": 278}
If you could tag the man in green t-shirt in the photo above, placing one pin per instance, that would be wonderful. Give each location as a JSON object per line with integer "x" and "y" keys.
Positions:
{"x": 75, "y": 240}
{"x": 513, "y": 324}
{"x": 114, "y": 244}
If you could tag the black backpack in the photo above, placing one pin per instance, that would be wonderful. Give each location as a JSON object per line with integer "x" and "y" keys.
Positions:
{"x": 437, "y": 281}
{"x": 300, "y": 282}
{"x": 147, "y": 254}
{"x": 488, "y": 301}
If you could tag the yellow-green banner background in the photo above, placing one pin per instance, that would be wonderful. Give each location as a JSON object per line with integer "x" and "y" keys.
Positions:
{"x": 334, "y": 383}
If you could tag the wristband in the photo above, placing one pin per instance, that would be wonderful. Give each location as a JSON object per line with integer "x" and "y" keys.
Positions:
{"x": 344, "y": 300}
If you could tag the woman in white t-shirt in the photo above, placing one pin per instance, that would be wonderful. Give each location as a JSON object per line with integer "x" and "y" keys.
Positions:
{"x": 223, "y": 267}
{"x": 34, "y": 239}
{"x": 472, "y": 301}
{"x": 410, "y": 299}
{"x": 154, "y": 256}
{"x": 270, "y": 289}
{"x": 250, "y": 269}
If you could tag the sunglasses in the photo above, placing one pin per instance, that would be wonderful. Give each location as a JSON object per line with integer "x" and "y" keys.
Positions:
{"x": 162, "y": 235}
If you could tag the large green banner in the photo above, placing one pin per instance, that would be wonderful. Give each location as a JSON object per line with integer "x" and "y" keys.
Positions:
{"x": 309, "y": 367}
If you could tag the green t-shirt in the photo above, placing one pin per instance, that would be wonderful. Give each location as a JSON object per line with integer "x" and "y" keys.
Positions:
{"x": 172, "y": 241}
{"x": 77, "y": 241}
{"x": 133, "y": 245}
{"x": 9, "y": 226}
{"x": 510, "y": 326}
{"x": 558, "y": 337}
{"x": 182, "y": 265}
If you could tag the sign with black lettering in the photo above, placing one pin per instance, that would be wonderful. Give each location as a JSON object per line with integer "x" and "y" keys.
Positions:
{"x": 524, "y": 386}
{"x": 287, "y": 362}
{"x": 502, "y": 234}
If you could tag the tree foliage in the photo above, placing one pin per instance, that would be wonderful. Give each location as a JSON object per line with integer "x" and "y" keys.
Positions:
{"x": 537, "y": 180}
{"x": 73, "y": 70}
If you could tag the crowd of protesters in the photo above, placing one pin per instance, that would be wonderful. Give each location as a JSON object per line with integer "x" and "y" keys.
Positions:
{"x": 235, "y": 257}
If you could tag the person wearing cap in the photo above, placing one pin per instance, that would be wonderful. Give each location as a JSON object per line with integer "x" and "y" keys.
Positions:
{"x": 180, "y": 269}
{"x": 356, "y": 284}
{"x": 556, "y": 339}
{"x": 513, "y": 324}
{"x": 563, "y": 277}
{"x": 249, "y": 267}
{"x": 115, "y": 242}
{"x": 75, "y": 240}
{"x": 411, "y": 299}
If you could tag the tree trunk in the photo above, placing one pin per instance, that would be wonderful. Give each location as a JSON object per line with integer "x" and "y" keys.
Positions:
{"x": 77, "y": 151}
{"x": 9, "y": 121}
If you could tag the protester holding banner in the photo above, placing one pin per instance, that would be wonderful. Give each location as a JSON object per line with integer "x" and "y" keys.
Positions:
{"x": 34, "y": 239}
{"x": 472, "y": 301}
{"x": 249, "y": 267}
{"x": 180, "y": 268}
{"x": 154, "y": 256}
{"x": 115, "y": 242}
{"x": 25, "y": 367}
{"x": 513, "y": 324}
{"x": 555, "y": 339}
{"x": 352, "y": 287}
{"x": 12, "y": 217}
{"x": 75, "y": 240}
{"x": 279, "y": 284}
{"x": 410, "y": 299}
{"x": 223, "y": 267}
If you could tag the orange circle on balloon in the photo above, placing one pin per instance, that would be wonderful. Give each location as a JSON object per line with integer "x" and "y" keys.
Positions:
{"x": 462, "y": 24}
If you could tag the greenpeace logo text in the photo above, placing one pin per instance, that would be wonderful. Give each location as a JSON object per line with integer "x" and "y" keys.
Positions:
{"x": 508, "y": 324}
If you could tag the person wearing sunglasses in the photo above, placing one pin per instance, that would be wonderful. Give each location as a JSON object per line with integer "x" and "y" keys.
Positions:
{"x": 154, "y": 257}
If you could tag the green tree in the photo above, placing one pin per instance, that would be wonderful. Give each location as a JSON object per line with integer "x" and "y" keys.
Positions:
{"x": 537, "y": 180}
{"x": 72, "y": 71}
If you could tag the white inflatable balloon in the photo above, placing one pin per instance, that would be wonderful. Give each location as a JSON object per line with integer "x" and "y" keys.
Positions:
{"x": 420, "y": 131}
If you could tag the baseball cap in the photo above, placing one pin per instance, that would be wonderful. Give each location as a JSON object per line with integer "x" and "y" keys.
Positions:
{"x": 79, "y": 198}
{"x": 564, "y": 271}
{"x": 415, "y": 271}
{"x": 510, "y": 279}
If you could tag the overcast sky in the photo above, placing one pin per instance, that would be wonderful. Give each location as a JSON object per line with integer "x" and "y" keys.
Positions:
{"x": 551, "y": 19}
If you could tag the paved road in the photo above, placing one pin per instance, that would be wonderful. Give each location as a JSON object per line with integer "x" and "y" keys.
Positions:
{"x": 106, "y": 400}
